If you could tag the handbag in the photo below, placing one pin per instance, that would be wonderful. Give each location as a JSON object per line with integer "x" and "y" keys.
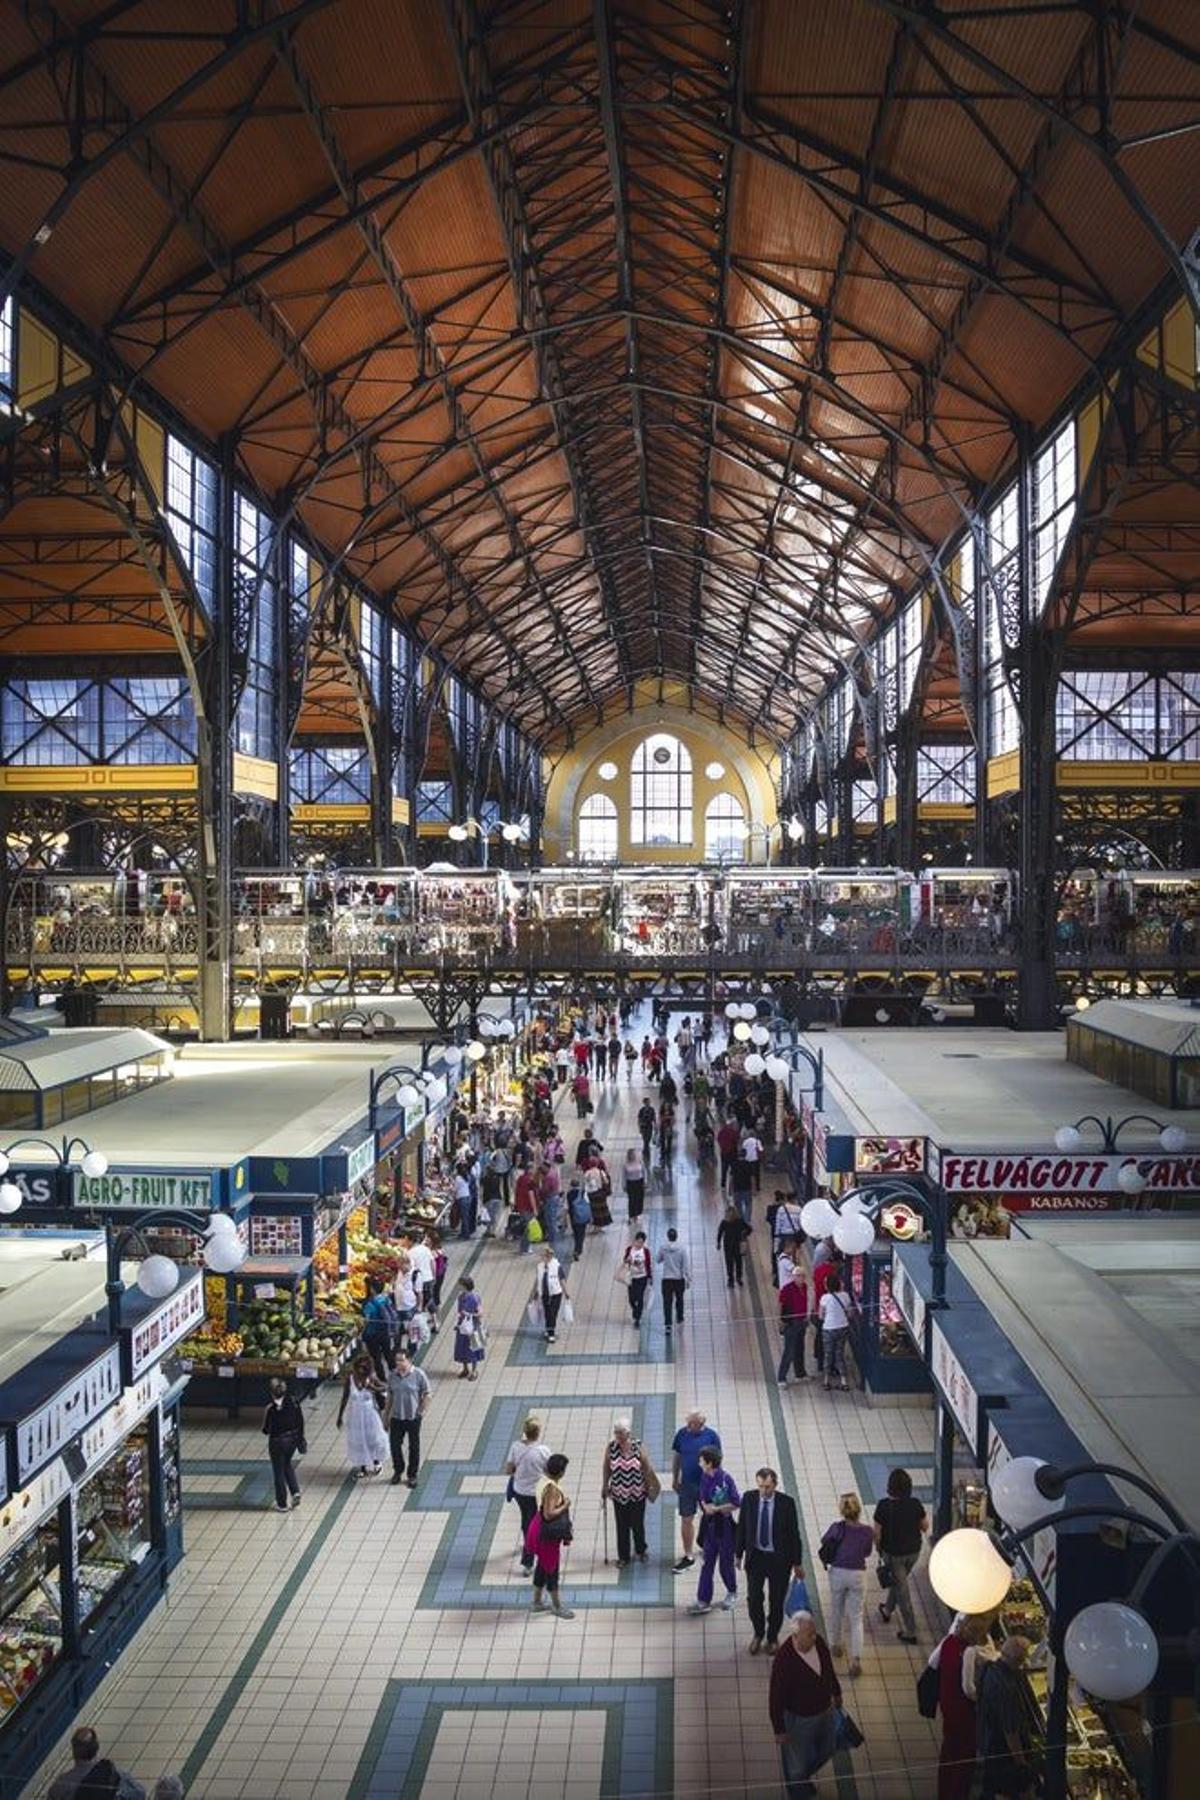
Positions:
{"x": 883, "y": 1569}
{"x": 828, "y": 1548}
{"x": 928, "y": 1685}
{"x": 797, "y": 1597}
{"x": 568, "y": 1313}
{"x": 557, "y": 1530}
{"x": 849, "y": 1737}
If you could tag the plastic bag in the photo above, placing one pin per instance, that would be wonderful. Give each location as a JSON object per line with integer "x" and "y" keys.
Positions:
{"x": 567, "y": 1316}
{"x": 534, "y": 1232}
{"x": 797, "y": 1598}
{"x": 533, "y": 1314}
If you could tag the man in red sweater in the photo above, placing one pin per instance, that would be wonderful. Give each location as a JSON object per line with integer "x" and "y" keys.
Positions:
{"x": 805, "y": 1693}
{"x": 727, "y": 1144}
{"x": 793, "y": 1322}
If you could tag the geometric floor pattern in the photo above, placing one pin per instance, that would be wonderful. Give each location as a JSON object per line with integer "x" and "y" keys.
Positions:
{"x": 626, "y": 1745}
{"x": 378, "y": 1640}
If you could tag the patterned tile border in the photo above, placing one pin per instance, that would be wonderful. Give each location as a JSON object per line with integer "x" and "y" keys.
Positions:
{"x": 253, "y": 1487}
{"x": 639, "y": 1737}
{"x": 455, "y": 1576}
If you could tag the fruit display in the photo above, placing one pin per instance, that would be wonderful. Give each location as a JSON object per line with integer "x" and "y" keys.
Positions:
{"x": 369, "y": 1255}
{"x": 269, "y": 1342}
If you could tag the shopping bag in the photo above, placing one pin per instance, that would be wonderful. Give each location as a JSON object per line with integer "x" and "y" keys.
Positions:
{"x": 849, "y": 1737}
{"x": 567, "y": 1316}
{"x": 533, "y": 1314}
{"x": 797, "y": 1599}
{"x": 928, "y": 1687}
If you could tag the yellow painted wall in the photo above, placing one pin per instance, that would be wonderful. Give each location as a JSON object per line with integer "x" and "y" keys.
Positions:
{"x": 748, "y": 774}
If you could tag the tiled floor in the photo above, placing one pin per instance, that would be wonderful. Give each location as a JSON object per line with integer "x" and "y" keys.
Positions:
{"x": 378, "y": 1642}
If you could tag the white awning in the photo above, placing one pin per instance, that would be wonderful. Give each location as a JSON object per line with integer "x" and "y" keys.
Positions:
{"x": 62, "y": 1057}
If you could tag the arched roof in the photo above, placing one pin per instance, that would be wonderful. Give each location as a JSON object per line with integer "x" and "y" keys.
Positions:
{"x": 609, "y": 340}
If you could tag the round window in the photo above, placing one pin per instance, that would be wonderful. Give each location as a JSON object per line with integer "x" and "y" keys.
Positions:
{"x": 607, "y": 771}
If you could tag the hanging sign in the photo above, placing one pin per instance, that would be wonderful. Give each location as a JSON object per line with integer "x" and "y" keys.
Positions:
{"x": 360, "y": 1161}
{"x": 119, "y": 1420}
{"x": 47, "y": 1431}
{"x": 910, "y": 1303}
{"x": 889, "y": 1155}
{"x": 957, "y": 1391}
{"x": 191, "y": 1189}
{"x": 175, "y": 1318}
{"x": 30, "y": 1505}
{"x": 1040, "y": 1552}
{"x": 1041, "y": 1172}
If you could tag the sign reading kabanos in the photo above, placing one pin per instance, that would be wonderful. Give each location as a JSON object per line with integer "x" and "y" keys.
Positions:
{"x": 1054, "y": 1173}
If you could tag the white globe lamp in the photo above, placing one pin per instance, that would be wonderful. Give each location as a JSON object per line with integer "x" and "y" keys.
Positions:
{"x": 755, "y": 1064}
{"x": 475, "y": 1051}
{"x": 94, "y": 1164}
{"x": 223, "y": 1254}
{"x": 854, "y": 1235}
{"x": 778, "y": 1068}
{"x": 968, "y": 1573}
{"x": 486, "y": 1026}
{"x": 748, "y": 1010}
{"x": 158, "y": 1277}
{"x": 741, "y": 1032}
{"x": 1111, "y": 1650}
{"x": 760, "y": 1035}
{"x": 1130, "y": 1179}
{"x": 818, "y": 1218}
{"x": 10, "y": 1197}
{"x": 1068, "y": 1137}
{"x": 453, "y": 1055}
{"x": 222, "y": 1224}
{"x": 1015, "y": 1495}
{"x": 407, "y": 1096}
{"x": 457, "y": 834}
{"x": 1173, "y": 1139}
{"x": 507, "y": 1028}
{"x": 733, "y": 1010}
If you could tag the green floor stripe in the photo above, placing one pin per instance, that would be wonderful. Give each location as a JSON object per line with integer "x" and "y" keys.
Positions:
{"x": 240, "y": 1680}
{"x": 241, "y": 1677}
{"x": 847, "y": 1787}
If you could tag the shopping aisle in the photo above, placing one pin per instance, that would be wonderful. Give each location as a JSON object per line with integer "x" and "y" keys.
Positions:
{"x": 378, "y": 1642}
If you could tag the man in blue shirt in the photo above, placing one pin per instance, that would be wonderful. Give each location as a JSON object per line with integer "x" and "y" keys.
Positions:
{"x": 692, "y": 1437}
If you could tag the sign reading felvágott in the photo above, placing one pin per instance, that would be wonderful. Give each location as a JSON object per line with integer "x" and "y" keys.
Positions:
{"x": 1056, "y": 1172}
{"x": 191, "y": 1188}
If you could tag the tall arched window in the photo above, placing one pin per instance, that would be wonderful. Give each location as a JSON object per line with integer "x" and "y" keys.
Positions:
{"x": 598, "y": 829}
{"x": 724, "y": 829}
{"x": 661, "y": 792}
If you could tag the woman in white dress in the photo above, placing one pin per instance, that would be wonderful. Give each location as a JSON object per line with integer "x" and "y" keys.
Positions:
{"x": 366, "y": 1440}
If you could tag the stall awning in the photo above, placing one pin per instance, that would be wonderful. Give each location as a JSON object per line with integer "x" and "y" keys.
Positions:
{"x": 60, "y": 1058}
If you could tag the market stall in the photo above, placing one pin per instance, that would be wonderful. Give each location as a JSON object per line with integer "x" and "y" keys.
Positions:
{"x": 767, "y": 911}
{"x": 661, "y": 912}
{"x": 90, "y": 1527}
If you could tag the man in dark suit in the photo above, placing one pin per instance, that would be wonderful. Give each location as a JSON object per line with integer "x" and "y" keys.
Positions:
{"x": 768, "y": 1543}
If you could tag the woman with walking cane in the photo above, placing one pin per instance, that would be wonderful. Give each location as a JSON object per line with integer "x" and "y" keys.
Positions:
{"x": 628, "y": 1480}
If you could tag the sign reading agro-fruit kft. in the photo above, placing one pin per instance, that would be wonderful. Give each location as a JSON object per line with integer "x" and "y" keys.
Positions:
{"x": 189, "y": 1188}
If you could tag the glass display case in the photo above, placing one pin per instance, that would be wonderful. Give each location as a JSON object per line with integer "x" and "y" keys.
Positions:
{"x": 31, "y": 1620}
{"x": 112, "y": 1523}
{"x": 888, "y": 1359}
